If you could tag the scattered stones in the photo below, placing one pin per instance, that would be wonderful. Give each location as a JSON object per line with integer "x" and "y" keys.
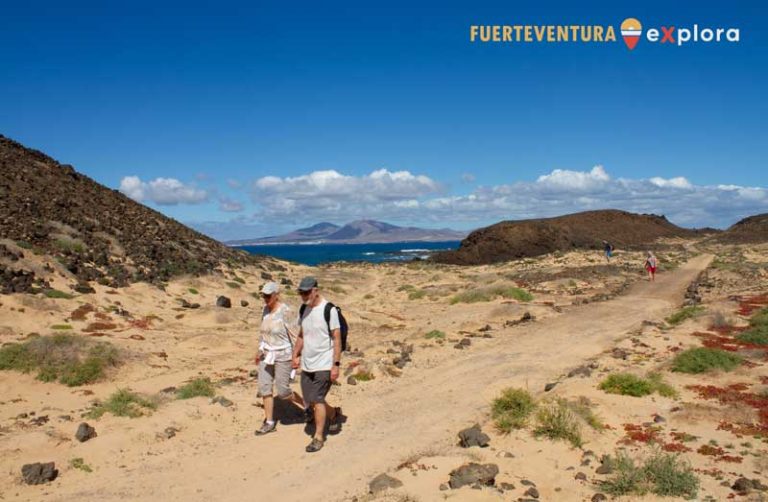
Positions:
{"x": 532, "y": 492}
{"x": 84, "y": 288}
{"x": 485, "y": 328}
{"x": 39, "y": 473}
{"x": 580, "y": 476}
{"x": 605, "y": 467}
{"x": 85, "y": 432}
{"x": 352, "y": 380}
{"x": 505, "y": 454}
{"x": 548, "y": 387}
{"x": 244, "y": 303}
{"x": 526, "y": 317}
{"x": 473, "y": 474}
{"x": 383, "y": 482}
{"x": 266, "y": 276}
{"x": 253, "y": 373}
{"x": 466, "y": 342}
{"x": 744, "y": 485}
{"x": 618, "y": 353}
{"x": 473, "y": 436}
{"x": 42, "y": 419}
{"x": 187, "y": 305}
{"x": 583, "y": 371}
{"x": 659, "y": 419}
{"x": 222, "y": 401}
{"x": 224, "y": 302}
{"x": 527, "y": 482}
{"x": 598, "y": 497}
{"x": 168, "y": 433}
{"x": 506, "y": 486}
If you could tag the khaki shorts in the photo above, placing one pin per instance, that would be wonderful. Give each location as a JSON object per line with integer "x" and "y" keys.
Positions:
{"x": 277, "y": 375}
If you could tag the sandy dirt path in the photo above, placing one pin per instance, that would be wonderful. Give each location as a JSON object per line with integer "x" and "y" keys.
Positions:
{"x": 421, "y": 411}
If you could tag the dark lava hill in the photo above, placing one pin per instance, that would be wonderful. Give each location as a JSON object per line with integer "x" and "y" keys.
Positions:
{"x": 509, "y": 240}
{"x": 97, "y": 233}
{"x": 750, "y": 230}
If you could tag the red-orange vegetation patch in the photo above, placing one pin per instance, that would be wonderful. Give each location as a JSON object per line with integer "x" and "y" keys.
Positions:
{"x": 641, "y": 434}
{"x": 102, "y": 316}
{"x": 100, "y": 326}
{"x": 722, "y": 342}
{"x": 737, "y": 394}
{"x": 713, "y": 472}
{"x": 683, "y": 437}
{"x": 675, "y": 447}
{"x": 143, "y": 323}
{"x": 719, "y": 454}
{"x": 748, "y": 305}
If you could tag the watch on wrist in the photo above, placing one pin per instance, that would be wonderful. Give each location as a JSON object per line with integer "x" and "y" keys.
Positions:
{"x": 337, "y": 363}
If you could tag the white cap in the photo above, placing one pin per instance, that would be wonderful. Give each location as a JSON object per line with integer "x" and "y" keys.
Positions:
{"x": 270, "y": 288}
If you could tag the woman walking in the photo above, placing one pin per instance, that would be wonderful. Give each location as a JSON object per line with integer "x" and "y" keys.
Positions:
{"x": 277, "y": 332}
{"x": 650, "y": 265}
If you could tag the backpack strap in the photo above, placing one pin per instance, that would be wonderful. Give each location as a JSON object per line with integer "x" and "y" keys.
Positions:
{"x": 327, "y": 314}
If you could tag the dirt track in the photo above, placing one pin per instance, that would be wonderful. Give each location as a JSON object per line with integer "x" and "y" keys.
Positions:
{"x": 417, "y": 412}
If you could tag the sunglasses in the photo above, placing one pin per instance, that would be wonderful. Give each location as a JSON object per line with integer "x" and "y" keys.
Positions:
{"x": 305, "y": 293}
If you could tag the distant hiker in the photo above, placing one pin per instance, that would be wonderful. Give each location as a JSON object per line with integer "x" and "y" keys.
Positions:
{"x": 650, "y": 265}
{"x": 274, "y": 358}
{"x": 318, "y": 353}
{"x": 608, "y": 249}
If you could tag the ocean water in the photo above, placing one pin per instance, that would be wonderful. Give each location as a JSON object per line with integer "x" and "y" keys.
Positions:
{"x": 314, "y": 254}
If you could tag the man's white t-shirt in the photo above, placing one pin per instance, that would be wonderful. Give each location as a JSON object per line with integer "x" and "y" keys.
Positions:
{"x": 317, "y": 354}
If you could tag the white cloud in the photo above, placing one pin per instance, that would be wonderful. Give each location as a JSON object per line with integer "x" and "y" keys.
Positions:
{"x": 678, "y": 182}
{"x": 330, "y": 194}
{"x": 468, "y": 178}
{"x": 162, "y": 191}
{"x": 575, "y": 180}
{"x": 403, "y": 196}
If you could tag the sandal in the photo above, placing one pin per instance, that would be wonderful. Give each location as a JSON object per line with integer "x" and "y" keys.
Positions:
{"x": 315, "y": 445}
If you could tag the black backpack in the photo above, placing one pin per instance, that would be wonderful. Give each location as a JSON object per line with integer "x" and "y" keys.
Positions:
{"x": 343, "y": 326}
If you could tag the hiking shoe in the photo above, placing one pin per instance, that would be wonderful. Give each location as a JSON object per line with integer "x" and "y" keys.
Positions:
{"x": 266, "y": 428}
{"x": 315, "y": 445}
{"x": 335, "y": 426}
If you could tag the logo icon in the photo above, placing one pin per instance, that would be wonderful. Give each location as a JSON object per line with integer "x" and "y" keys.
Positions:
{"x": 631, "y": 29}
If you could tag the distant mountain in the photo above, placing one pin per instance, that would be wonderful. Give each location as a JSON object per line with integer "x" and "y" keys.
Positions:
{"x": 510, "y": 240}
{"x": 356, "y": 232}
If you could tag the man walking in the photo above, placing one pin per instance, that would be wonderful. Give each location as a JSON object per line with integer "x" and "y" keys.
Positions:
{"x": 318, "y": 353}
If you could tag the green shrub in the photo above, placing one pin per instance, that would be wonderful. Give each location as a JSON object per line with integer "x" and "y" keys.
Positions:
{"x": 70, "y": 359}
{"x": 55, "y": 293}
{"x": 239, "y": 279}
{"x": 684, "y": 314}
{"x": 124, "y": 403}
{"x": 662, "y": 474}
{"x": 555, "y": 420}
{"x": 234, "y": 285}
{"x": 759, "y": 319}
{"x": 583, "y": 408}
{"x": 364, "y": 376}
{"x": 703, "y": 359}
{"x": 512, "y": 409}
{"x": 70, "y": 246}
{"x": 416, "y": 294}
{"x": 368, "y": 297}
{"x": 193, "y": 291}
{"x": 61, "y": 326}
{"x": 488, "y": 293}
{"x": 435, "y": 334}
{"x": 24, "y": 244}
{"x": 79, "y": 463}
{"x": 757, "y": 335}
{"x": 406, "y": 287}
{"x": 627, "y": 384}
{"x": 195, "y": 388}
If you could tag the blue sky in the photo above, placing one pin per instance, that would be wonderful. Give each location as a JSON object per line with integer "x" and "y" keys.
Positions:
{"x": 251, "y": 118}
